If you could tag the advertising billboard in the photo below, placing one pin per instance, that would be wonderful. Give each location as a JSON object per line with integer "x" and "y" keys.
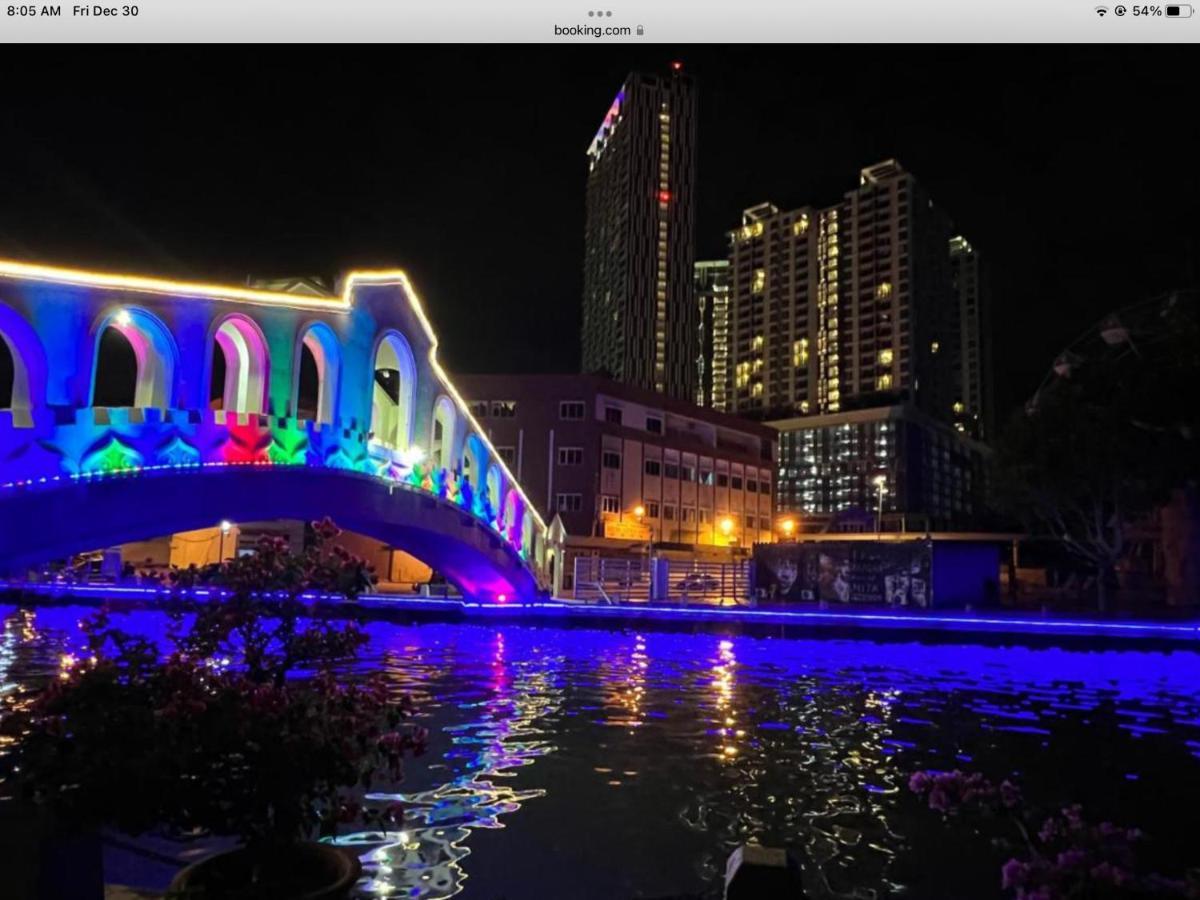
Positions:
{"x": 849, "y": 572}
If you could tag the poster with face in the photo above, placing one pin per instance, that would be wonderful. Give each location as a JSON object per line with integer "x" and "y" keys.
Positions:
{"x": 894, "y": 574}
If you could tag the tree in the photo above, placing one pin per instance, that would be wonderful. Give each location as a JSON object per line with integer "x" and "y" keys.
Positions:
{"x": 1108, "y": 437}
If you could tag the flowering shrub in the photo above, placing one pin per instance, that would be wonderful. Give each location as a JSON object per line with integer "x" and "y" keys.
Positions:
{"x": 1066, "y": 857}
{"x": 243, "y": 728}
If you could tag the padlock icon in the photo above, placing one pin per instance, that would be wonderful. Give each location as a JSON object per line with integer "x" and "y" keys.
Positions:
{"x": 641, "y": 30}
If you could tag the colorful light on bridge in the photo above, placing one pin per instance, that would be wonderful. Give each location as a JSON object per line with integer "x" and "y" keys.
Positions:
{"x": 342, "y": 303}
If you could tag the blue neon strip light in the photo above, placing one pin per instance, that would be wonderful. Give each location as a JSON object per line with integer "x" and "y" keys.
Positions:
{"x": 559, "y": 608}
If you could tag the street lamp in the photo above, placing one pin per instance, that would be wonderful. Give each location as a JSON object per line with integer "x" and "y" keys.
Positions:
{"x": 880, "y": 482}
{"x": 226, "y": 527}
{"x": 726, "y": 525}
{"x": 639, "y": 513}
{"x": 788, "y": 527}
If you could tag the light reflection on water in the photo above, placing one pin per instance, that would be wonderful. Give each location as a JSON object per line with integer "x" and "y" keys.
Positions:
{"x": 609, "y": 764}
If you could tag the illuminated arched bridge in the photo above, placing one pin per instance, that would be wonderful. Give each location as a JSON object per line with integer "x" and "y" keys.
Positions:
{"x": 134, "y": 407}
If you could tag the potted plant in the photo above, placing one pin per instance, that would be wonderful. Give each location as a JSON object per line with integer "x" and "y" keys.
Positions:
{"x": 242, "y": 727}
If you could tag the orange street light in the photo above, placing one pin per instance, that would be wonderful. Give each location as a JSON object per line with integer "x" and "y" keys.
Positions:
{"x": 788, "y": 527}
{"x": 639, "y": 511}
{"x": 727, "y": 525}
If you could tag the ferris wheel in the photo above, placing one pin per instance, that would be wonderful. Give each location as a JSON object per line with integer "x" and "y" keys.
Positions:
{"x": 1161, "y": 331}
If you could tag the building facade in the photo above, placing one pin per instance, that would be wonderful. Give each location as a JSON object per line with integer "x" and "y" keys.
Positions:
{"x": 619, "y": 462}
{"x": 974, "y": 415}
{"x": 712, "y": 310}
{"x": 913, "y": 471}
{"x": 852, "y": 306}
{"x": 639, "y": 320}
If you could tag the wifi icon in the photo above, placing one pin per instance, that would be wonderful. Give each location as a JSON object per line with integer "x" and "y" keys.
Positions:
{"x": 1101, "y": 10}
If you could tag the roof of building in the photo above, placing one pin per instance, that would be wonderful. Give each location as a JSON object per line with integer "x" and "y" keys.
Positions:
{"x": 566, "y": 382}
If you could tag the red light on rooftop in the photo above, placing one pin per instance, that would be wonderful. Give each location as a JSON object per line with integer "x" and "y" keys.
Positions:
{"x": 677, "y": 66}
{"x": 664, "y": 196}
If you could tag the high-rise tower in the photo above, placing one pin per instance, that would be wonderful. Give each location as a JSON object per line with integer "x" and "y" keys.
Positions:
{"x": 865, "y": 303}
{"x": 639, "y": 319}
{"x": 712, "y": 308}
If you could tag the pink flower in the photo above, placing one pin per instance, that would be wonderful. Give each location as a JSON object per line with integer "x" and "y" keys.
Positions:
{"x": 1013, "y": 873}
{"x": 1049, "y": 830}
{"x": 1071, "y": 859}
{"x": 939, "y": 799}
{"x": 919, "y": 782}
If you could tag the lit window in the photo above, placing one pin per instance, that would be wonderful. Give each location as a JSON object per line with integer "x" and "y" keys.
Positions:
{"x": 885, "y": 357}
{"x": 884, "y": 290}
{"x": 883, "y": 382}
{"x": 934, "y": 347}
{"x": 801, "y": 225}
{"x": 958, "y": 407}
{"x": 504, "y": 409}
{"x": 760, "y": 281}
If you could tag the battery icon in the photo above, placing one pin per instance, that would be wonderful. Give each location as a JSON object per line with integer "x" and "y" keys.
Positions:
{"x": 1179, "y": 11}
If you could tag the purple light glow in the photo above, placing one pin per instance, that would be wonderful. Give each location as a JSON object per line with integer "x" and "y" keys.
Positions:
{"x": 533, "y": 610}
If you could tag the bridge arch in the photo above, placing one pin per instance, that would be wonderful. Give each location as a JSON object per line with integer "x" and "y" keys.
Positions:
{"x": 151, "y": 382}
{"x": 26, "y": 383}
{"x": 512, "y": 515}
{"x": 393, "y": 391}
{"x": 239, "y": 366}
{"x": 72, "y": 516}
{"x": 492, "y": 487}
{"x": 319, "y": 349}
{"x": 441, "y": 433}
{"x": 474, "y": 459}
{"x": 527, "y": 536}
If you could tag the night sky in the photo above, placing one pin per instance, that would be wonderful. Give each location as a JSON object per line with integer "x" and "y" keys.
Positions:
{"x": 1070, "y": 168}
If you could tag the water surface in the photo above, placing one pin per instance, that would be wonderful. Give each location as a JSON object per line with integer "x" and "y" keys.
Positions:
{"x": 578, "y": 763}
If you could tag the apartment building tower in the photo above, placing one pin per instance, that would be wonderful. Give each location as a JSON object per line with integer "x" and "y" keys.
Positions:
{"x": 973, "y": 409}
{"x": 639, "y": 318}
{"x": 712, "y": 311}
{"x": 850, "y": 306}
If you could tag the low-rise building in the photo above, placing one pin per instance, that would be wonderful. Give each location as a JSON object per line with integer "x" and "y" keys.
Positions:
{"x": 628, "y": 469}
